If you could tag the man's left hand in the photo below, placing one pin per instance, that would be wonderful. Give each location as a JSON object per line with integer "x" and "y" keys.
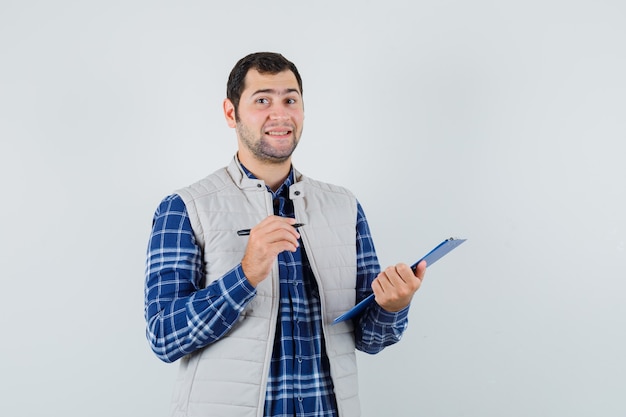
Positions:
{"x": 394, "y": 287}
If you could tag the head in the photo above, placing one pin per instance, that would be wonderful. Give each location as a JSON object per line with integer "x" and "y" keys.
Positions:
{"x": 264, "y": 104}
{"x": 262, "y": 62}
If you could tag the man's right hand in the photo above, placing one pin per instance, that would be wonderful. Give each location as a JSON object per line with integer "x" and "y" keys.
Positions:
{"x": 267, "y": 239}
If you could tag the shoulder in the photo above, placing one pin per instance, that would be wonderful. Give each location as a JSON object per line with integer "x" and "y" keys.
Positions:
{"x": 324, "y": 186}
{"x": 208, "y": 185}
{"x": 172, "y": 204}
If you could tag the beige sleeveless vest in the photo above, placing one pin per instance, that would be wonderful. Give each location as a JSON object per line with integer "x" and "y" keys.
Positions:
{"x": 229, "y": 377}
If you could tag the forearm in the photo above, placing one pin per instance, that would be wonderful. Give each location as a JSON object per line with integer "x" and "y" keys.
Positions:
{"x": 186, "y": 320}
{"x": 376, "y": 328}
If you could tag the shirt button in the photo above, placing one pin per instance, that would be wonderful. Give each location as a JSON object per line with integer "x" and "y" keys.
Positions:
{"x": 299, "y": 360}
{"x": 300, "y": 399}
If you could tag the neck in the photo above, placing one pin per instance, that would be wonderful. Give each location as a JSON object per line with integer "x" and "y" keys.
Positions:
{"x": 273, "y": 174}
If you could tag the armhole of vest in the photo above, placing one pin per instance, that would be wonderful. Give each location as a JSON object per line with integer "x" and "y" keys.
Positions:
{"x": 196, "y": 225}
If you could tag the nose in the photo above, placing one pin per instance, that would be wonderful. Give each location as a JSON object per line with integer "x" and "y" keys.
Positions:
{"x": 279, "y": 112}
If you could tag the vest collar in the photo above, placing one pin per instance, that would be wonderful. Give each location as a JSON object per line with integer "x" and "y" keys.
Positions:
{"x": 236, "y": 172}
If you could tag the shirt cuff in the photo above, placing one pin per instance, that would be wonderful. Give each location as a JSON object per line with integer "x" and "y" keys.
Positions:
{"x": 236, "y": 288}
{"x": 387, "y": 318}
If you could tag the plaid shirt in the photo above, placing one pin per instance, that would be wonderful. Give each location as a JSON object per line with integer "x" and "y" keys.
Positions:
{"x": 183, "y": 317}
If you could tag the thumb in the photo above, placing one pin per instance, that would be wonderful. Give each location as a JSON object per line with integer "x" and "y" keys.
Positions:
{"x": 420, "y": 270}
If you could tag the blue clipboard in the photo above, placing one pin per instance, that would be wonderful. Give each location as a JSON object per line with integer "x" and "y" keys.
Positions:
{"x": 431, "y": 257}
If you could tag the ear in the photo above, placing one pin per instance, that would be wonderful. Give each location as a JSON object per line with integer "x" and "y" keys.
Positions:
{"x": 229, "y": 113}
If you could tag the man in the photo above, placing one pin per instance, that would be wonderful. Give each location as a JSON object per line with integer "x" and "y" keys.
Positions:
{"x": 250, "y": 317}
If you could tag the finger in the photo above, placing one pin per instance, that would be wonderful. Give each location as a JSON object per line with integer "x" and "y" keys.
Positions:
{"x": 385, "y": 279}
{"x": 405, "y": 273}
{"x": 273, "y": 223}
{"x": 284, "y": 233}
{"x": 402, "y": 278}
{"x": 400, "y": 274}
{"x": 378, "y": 287}
{"x": 273, "y": 243}
{"x": 392, "y": 276}
{"x": 420, "y": 270}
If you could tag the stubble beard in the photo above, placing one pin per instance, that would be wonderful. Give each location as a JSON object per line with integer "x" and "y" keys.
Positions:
{"x": 262, "y": 150}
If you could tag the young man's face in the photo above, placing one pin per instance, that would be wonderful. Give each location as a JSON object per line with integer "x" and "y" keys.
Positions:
{"x": 269, "y": 117}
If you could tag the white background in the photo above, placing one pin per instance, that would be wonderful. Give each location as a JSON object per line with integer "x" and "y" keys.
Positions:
{"x": 499, "y": 121}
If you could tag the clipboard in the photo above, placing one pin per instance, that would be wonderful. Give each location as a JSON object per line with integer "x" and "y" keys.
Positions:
{"x": 431, "y": 257}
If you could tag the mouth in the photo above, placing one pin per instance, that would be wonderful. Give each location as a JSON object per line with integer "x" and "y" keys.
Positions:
{"x": 279, "y": 132}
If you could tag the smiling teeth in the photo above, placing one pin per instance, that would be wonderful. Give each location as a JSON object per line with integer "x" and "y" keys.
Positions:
{"x": 278, "y": 133}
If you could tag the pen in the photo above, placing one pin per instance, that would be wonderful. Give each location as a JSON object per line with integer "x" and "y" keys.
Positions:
{"x": 246, "y": 232}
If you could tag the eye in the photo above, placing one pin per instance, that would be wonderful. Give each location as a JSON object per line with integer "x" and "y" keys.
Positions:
{"x": 262, "y": 100}
{"x": 291, "y": 101}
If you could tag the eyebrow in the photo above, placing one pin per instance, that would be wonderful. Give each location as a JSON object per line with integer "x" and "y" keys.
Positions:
{"x": 274, "y": 91}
